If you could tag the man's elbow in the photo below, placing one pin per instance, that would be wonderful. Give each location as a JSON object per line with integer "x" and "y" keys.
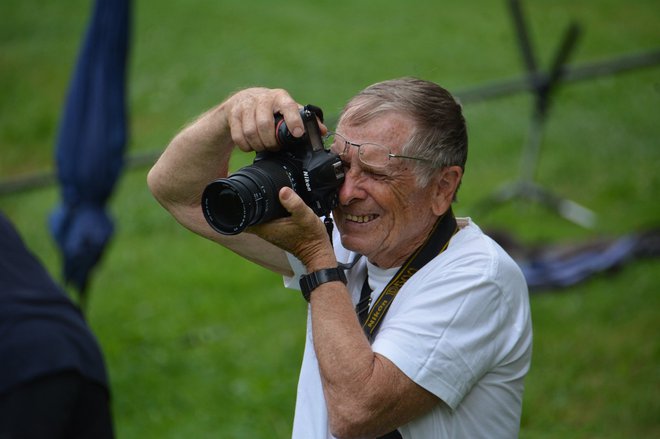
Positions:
{"x": 349, "y": 422}
{"x": 157, "y": 183}
{"x": 154, "y": 182}
{"x": 345, "y": 430}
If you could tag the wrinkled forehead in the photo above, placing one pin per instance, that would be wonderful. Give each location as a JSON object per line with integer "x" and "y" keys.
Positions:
{"x": 391, "y": 129}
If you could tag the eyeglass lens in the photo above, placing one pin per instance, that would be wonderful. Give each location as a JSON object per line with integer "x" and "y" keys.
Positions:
{"x": 370, "y": 154}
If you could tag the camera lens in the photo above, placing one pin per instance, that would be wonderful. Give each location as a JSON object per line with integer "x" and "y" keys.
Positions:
{"x": 247, "y": 197}
{"x": 224, "y": 205}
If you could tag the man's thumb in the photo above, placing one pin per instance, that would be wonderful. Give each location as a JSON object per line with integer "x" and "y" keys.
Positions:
{"x": 289, "y": 199}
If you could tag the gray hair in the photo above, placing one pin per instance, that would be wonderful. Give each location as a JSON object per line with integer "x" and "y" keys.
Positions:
{"x": 440, "y": 133}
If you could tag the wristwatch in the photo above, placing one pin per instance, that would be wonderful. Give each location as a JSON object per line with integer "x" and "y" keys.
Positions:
{"x": 309, "y": 282}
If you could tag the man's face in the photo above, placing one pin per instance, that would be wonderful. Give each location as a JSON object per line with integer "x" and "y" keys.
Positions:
{"x": 382, "y": 213}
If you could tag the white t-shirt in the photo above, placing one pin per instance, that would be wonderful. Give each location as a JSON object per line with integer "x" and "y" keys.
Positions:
{"x": 460, "y": 328}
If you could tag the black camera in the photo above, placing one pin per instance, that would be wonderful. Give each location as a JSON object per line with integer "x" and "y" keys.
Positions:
{"x": 250, "y": 195}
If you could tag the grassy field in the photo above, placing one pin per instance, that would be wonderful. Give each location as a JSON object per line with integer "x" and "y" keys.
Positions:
{"x": 201, "y": 344}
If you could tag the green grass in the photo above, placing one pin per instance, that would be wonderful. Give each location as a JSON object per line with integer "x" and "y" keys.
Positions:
{"x": 202, "y": 344}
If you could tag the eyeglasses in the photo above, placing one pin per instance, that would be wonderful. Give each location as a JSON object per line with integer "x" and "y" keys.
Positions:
{"x": 369, "y": 154}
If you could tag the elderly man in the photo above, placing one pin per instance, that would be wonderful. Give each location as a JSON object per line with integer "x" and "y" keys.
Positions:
{"x": 419, "y": 324}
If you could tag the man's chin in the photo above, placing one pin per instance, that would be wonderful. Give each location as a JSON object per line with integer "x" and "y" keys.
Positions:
{"x": 357, "y": 244}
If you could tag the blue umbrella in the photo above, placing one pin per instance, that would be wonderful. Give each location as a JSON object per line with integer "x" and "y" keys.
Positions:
{"x": 91, "y": 142}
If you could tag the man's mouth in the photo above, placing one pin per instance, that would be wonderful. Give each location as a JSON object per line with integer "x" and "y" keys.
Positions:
{"x": 360, "y": 218}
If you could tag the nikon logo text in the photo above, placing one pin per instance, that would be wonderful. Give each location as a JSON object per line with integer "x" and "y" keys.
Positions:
{"x": 307, "y": 182}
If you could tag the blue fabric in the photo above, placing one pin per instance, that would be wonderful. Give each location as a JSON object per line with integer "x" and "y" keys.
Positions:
{"x": 41, "y": 331}
{"x": 552, "y": 271}
{"x": 91, "y": 141}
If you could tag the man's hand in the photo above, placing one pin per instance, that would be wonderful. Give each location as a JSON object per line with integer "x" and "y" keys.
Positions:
{"x": 302, "y": 234}
{"x": 250, "y": 117}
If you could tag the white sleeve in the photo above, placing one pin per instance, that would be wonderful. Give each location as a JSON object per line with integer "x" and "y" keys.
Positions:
{"x": 298, "y": 270}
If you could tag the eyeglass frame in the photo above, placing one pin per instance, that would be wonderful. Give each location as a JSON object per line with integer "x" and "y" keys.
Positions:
{"x": 390, "y": 155}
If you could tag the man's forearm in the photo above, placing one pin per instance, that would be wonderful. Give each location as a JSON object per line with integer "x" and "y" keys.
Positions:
{"x": 346, "y": 361}
{"x": 366, "y": 394}
{"x": 197, "y": 155}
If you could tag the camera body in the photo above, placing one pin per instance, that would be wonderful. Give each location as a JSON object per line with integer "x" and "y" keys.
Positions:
{"x": 251, "y": 195}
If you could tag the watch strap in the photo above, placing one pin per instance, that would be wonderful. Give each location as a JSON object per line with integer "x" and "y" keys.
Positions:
{"x": 309, "y": 282}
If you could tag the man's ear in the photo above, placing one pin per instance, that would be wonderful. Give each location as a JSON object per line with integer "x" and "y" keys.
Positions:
{"x": 444, "y": 186}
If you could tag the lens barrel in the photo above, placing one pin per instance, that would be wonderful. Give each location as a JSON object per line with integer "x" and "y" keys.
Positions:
{"x": 249, "y": 196}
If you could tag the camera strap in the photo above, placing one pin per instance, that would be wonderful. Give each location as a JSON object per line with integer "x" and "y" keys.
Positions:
{"x": 329, "y": 225}
{"x": 436, "y": 243}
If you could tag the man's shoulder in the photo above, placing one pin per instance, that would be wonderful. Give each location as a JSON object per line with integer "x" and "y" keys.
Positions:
{"x": 471, "y": 251}
{"x": 471, "y": 244}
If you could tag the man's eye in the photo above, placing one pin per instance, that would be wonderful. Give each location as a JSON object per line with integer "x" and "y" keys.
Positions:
{"x": 375, "y": 174}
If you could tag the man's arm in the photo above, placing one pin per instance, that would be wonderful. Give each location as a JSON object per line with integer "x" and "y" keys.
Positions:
{"x": 200, "y": 153}
{"x": 366, "y": 394}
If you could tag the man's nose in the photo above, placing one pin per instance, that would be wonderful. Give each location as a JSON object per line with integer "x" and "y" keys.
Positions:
{"x": 352, "y": 188}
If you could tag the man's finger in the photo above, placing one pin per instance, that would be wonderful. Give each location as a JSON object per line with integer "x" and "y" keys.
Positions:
{"x": 290, "y": 200}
